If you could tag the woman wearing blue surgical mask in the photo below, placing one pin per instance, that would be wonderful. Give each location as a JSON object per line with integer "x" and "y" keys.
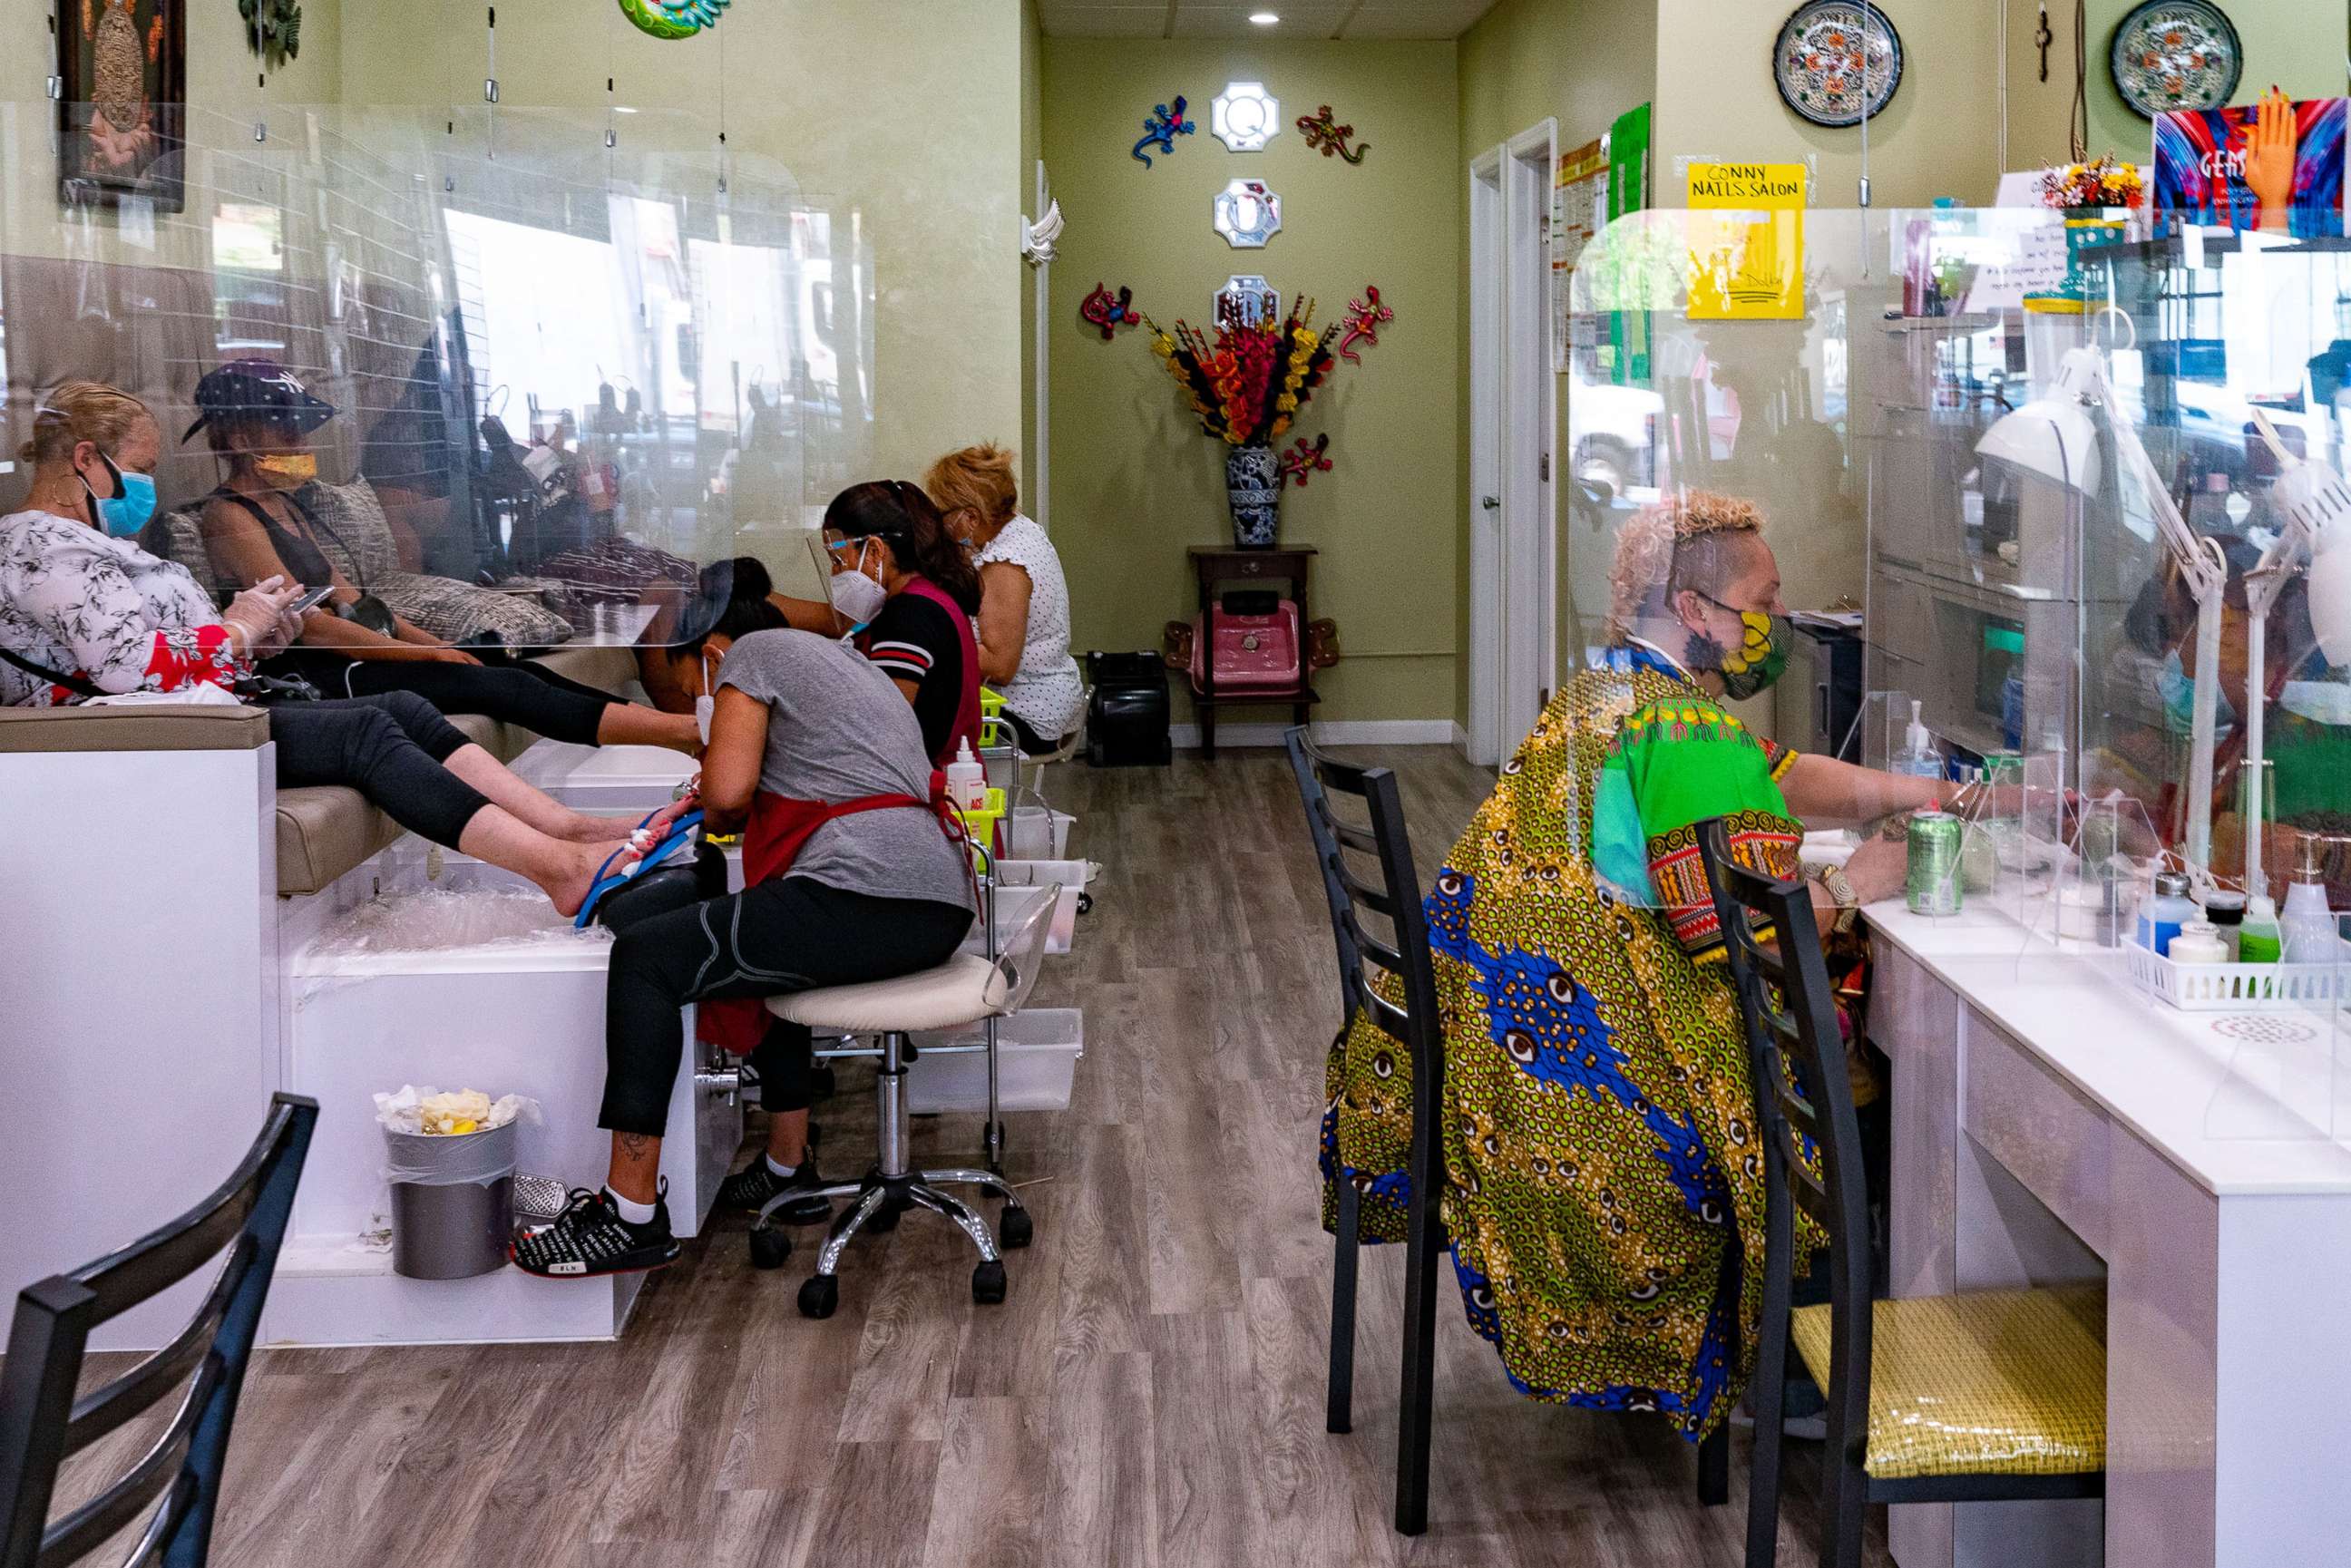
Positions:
{"x": 85, "y": 612}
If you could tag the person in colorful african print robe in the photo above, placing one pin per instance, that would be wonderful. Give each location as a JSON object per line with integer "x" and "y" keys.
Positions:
{"x": 1599, "y": 1143}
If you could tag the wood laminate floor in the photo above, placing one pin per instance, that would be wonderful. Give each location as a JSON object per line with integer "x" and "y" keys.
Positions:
{"x": 1151, "y": 1395}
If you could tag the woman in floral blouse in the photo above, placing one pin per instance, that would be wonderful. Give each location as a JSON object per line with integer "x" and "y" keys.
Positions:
{"x": 85, "y": 613}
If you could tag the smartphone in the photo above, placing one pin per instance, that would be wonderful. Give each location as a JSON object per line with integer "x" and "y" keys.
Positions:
{"x": 311, "y": 600}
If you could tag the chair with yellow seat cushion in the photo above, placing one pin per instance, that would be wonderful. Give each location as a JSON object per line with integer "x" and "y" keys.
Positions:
{"x": 2009, "y": 1383}
{"x": 1989, "y": 1396}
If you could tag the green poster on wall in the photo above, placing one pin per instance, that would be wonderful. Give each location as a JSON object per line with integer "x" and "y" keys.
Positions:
{"x": 1628, "y": 192}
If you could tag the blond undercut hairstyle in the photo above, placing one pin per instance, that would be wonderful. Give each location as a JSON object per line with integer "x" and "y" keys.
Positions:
{"x": 76, "y": 411}
{"x": 1687, "y": 541}
{"x": 978, "y": 478}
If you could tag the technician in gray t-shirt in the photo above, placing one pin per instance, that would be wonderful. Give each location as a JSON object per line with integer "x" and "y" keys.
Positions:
{"x": 869, "y": 895}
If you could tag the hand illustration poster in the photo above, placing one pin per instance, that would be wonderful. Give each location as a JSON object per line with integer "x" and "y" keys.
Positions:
{"x": 2275, "y": 165}
{"x": 1746, "y": 240}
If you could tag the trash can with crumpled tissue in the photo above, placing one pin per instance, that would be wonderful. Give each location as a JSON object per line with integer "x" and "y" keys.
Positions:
{"x": 452, "y": 1201}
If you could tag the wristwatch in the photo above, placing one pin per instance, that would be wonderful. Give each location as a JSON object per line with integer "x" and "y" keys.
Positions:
{"x": 1840, "y": 893}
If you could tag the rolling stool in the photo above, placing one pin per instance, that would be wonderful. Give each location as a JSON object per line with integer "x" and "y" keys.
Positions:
{"x": 965, "y": 989}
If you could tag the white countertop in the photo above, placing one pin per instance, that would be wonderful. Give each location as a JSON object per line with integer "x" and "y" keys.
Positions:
{"x": 2242, "y": 1117}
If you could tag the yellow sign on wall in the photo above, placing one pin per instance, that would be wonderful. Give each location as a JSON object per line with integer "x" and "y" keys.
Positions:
{"x": 1747, "y": 242}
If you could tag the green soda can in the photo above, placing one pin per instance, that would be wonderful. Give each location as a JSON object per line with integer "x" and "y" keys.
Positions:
{"x": 1932, "y": 883}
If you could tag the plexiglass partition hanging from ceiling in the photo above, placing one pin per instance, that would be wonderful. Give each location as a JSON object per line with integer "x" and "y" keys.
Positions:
{"x": 564, "y": 368}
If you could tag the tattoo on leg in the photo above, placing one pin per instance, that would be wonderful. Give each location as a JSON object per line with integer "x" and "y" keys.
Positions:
{"x": 634, "y": 1144}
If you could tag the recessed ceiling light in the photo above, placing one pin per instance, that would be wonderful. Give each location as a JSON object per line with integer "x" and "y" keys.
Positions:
{"x": 623, "y": 108}
{"x": 1264, "y": 18}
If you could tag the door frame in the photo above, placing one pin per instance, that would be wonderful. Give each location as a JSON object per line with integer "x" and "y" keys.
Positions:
{"x": 1513, "y": 458}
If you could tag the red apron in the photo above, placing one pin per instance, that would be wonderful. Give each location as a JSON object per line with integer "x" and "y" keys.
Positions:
{"x": 967, "y": 722}
{"x": 773, "y": 837}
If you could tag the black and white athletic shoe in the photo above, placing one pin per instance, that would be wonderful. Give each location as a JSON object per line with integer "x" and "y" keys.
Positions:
{"x": 590, "y": 1237}
{"x": 755, "y": 1186}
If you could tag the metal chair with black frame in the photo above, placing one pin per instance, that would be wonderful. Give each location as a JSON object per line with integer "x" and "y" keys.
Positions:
{"x": 1346, "y": 1245}
{"x": 42, "y": 1424}
{"x": 1984, "y": 1396}
{"x": 1413, "y": 1026}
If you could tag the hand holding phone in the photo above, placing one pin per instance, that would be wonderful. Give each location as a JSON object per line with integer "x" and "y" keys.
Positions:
{"x": 310, "y": 600}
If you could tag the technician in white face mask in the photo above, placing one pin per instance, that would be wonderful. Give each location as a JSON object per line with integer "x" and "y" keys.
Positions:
{"x": 905, "y": 593}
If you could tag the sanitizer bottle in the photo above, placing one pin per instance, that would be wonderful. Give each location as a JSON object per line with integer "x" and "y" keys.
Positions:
{"x": 2308, "y": 926}
{"x": 966, "y": 781}
{"x": 1918, "y": 756}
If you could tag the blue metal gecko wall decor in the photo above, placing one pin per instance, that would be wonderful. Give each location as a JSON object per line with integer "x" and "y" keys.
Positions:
{"x": 1164, "y": 127}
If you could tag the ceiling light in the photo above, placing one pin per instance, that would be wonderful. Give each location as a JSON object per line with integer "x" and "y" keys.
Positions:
{"x": 1264, "y": 18}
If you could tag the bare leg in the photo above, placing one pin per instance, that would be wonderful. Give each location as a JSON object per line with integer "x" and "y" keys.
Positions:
{"x": 627, "y": 724}
{"x": 529, "y": 805}
{"x": 787, "y": 1137}
{"x": 635, "y": 1171}
{"x": 563, "y": 870}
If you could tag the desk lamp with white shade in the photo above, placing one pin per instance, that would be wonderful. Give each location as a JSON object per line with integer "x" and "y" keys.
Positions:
{"x": 2055, "y": 437}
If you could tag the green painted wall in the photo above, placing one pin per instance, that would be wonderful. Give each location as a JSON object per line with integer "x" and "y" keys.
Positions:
{"x": 1939, "y": 137}
{"x": 1133, "y": 480}
{"x": 2296, "y": 44}
{"x": 1583, "y": 62}
{"x": 918, "y": 127}
{"x": 1024, "y": 192}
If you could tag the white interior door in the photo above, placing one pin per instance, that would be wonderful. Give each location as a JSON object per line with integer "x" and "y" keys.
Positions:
{"x": 1485, "y": 459}
{"x": 1513, "y": 420}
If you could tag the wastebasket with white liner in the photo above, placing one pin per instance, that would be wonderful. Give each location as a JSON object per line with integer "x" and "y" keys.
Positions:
{"x": 452, "y": 1201}
{"x": 450, "y": 1159}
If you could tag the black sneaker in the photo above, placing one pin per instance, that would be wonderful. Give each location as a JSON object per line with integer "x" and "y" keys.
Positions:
{"x": 755, "y": 1186}
{"x": 590, "y": 1237}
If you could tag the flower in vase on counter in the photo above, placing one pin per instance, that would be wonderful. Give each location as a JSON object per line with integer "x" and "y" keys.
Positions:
{"x": 2107, "y": 182}
{"x": 1248, "y": 382}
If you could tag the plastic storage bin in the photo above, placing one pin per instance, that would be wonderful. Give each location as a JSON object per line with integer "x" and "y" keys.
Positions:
{"x": 452, "y": 1201}
{"x": 1068, "y": 875}
{"x": 1036, "y": 1054}
{"x": 1038, "y": 833}
{"x": 2240, "y": 987}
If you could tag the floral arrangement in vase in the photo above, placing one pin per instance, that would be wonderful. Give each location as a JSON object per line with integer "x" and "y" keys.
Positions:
{"x": 2086, "y": 193}
{"x": 1246, "y": 384}
{"x": 2107, "y": 182}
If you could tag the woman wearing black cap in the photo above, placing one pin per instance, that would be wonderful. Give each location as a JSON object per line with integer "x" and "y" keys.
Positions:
{"x": 258, "y": 420}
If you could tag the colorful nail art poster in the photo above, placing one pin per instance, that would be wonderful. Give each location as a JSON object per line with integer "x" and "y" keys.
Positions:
{"x": 2238, "y": 166}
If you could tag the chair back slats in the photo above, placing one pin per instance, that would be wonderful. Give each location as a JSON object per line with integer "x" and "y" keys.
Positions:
{"x": 109, "y": 1406}
{"x": 1799, "y": 1029}
{"x": 41, "y": 1422}
{"x": 158, "y": 1469}
{"x": 1327, "y": 862}
{"x": 1360, "y": 893}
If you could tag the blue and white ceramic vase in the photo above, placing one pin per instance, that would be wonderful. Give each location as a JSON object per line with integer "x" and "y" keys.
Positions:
{"x": 1253, "y": 485}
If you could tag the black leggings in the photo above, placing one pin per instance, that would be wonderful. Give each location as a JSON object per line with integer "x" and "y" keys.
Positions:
{"x": 790, "y": 935}
{"x": 528, "y": 694}
{"x": 389, "y": 749}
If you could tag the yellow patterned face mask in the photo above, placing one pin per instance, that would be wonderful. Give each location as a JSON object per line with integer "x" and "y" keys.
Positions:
{"x": 1761, "y": 653}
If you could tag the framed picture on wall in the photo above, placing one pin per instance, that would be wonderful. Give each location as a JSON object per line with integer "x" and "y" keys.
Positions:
{"x": 122, "y": 115}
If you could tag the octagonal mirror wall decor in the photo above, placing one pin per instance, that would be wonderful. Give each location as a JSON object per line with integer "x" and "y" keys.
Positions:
{"x": 1245, "y": 117}
{"x": 1247, "y": 214}
{"x": 1247, "y": 299}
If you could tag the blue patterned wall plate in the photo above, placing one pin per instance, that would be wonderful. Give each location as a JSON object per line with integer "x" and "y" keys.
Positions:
{"x": 2175, "y": 54}
{"x": 1826, "y": 51}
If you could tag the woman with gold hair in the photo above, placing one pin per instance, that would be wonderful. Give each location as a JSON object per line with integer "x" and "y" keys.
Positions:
{"x": 1598, "y": 1147}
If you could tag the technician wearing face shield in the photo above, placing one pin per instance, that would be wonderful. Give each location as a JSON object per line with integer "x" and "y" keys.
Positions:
{"x": 259, "y": 419}
{"x": 1600, "y": 1151}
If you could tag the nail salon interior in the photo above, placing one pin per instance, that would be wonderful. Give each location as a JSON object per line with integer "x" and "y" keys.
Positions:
{"x": 1177, "y": 783}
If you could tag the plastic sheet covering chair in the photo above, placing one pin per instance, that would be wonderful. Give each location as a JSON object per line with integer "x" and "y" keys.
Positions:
{"x": 1994, "y": 1395}
{"x": 42, "y": 1424}
{"x": 965, "y": 989}
{"x": 1381, "y": 838}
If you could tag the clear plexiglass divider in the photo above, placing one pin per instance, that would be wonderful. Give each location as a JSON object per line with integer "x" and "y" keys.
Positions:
{"x": 2054, "y": 506}
{"x": 547, "y": 374}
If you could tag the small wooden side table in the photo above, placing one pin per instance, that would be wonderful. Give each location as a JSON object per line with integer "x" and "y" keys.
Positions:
{"x": 1214, "y": 564}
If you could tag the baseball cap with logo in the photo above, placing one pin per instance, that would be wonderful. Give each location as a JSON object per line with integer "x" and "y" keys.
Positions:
{"x": 259, "y": 390}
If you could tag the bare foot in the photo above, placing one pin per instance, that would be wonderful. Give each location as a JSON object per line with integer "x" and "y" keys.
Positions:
{"x": 577, "y": 866}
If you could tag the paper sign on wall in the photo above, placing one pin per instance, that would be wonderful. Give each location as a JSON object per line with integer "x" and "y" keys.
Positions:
{"x": 1579, "y": 211}
{"x": 1747, "y": 242}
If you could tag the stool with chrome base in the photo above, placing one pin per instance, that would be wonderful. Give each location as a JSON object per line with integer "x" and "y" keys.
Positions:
{"x": 966, "y": 989}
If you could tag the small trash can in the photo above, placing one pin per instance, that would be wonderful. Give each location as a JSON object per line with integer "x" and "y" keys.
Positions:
{"x": 452, "y": 1201}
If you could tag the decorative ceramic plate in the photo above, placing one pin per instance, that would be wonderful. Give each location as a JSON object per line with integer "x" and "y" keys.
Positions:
{"x": 2175, "y": 54}
{"x": 1827, "y": 50}
{"x": 1247, "y": 214}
